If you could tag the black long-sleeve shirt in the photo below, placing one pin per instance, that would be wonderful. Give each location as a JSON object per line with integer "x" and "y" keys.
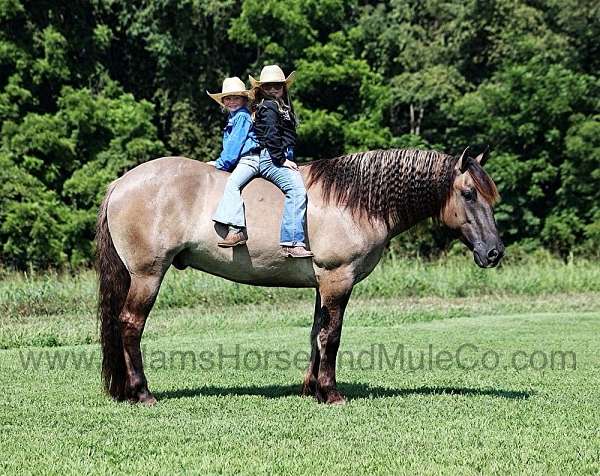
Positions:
{"x": 275, "y": 129}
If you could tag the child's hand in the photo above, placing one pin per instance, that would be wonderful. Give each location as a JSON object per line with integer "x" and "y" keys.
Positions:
{"x": 289, "y": 153}
{"x": 290, "y": 165}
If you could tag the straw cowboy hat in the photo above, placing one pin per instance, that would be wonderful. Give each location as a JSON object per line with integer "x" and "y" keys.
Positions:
{"x": 231, "y": 87}
{"x": 273, "y": 74}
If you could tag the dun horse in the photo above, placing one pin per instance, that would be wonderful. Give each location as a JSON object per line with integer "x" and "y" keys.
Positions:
{"x": 159, "y": 214}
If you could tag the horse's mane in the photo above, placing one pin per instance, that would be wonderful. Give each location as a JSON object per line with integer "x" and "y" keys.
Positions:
{"x": 395, "y": 185}
{"x": 483, "y": 183}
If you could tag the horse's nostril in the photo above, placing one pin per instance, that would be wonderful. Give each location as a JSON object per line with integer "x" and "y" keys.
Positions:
{"x": 493, "y": 253}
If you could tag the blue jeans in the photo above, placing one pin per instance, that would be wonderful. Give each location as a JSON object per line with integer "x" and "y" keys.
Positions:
{"x": 230, "y": 210}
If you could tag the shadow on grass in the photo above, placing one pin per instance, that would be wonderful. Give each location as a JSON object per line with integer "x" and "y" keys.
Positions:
{"x": 352, "y": 391}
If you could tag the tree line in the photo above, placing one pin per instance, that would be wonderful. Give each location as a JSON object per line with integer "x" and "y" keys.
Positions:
{"x": 92, "y": 88}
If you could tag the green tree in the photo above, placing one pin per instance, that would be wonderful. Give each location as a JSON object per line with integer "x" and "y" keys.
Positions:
{"x": 90, "y": 89}
{"x": 525, "y": 112}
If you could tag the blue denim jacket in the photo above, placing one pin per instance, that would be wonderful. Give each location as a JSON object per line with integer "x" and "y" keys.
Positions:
{"x": 238, "y": 139}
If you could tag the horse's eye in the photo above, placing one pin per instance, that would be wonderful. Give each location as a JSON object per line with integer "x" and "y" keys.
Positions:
{"x": 469, "y": 195}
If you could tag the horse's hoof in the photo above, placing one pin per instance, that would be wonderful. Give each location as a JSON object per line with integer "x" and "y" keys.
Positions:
{"x": 143, "y": 398}
{"x": 148, "y": 401}
{"x": 309, "y": 388}
{"x": 335, "y": 398}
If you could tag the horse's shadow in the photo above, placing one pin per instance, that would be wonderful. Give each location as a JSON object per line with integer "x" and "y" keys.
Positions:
{"x": 352, "y": 391}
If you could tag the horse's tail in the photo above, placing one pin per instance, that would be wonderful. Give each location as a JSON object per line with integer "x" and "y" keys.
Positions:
{"x": 114, "y": 281}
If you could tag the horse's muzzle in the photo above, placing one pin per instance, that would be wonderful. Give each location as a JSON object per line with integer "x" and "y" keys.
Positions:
{"x": 488, "y": 258}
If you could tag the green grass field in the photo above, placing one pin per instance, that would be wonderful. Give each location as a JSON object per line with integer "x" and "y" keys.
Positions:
{"x": 522, "y": 396}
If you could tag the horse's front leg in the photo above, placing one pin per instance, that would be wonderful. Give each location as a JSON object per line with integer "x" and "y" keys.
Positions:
{"x": 334, "y": 295}
{"x": 310, "y": 379}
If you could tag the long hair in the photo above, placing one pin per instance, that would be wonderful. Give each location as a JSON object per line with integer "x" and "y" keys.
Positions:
{"x": 398, "y": 186}
{"x": 114, "y": 282}
{"x": 283, "y": 103}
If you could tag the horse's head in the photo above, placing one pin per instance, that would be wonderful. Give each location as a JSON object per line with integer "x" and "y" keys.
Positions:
{"x": 468, "y": 210}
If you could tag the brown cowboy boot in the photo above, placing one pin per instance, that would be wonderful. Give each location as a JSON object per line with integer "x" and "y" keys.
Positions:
{"x": 296, "y": 252}
{"x": 233, "y": 238}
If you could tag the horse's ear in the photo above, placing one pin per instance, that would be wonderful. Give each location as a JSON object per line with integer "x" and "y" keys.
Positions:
{"x": 463, "y": 162}
{"x": 484, "y": 156}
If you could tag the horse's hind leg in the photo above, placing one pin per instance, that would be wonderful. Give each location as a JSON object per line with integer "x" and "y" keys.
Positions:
{"x": 139, "y": 302}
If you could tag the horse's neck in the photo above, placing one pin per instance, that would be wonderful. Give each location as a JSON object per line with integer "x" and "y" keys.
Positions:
{"x": 416, "y": 204}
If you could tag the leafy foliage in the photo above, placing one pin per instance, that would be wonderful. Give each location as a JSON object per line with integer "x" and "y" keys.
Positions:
{"x": 90, "y": 89}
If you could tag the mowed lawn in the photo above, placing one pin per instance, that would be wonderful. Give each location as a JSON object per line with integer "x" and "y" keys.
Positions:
{"x": 515, "y": 401}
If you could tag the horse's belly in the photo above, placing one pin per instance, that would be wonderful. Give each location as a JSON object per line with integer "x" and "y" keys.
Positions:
{"x": 242, "y": 264}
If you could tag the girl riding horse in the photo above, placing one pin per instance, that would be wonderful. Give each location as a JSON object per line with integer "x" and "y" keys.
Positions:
{"x": 275, "y": 130}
